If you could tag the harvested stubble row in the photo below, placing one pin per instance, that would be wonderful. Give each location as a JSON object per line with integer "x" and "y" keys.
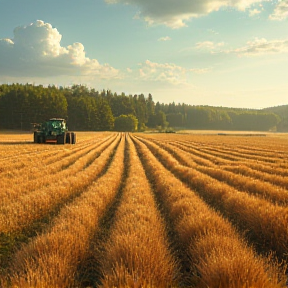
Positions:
{"x": 203, "y": 158}
{"x": 276, "y": 152}
{"x": 20, "y": 162}
{"x": 270, "y": 143}
{"x": 34, "y": 177}
{"x": 198, "y": 156}
{"x": 268, "y": 169}
{"x": 268, "y": 191}
{"x": 137, "y": 251}
{"x": 53, "y": 258}
{"x": 265, "y": 223}
{"x": 218, "y": 257}
{"x": 247, "y": 171}
{"x": 276, "y": 155}
{"x": 13, "y": 166}
{"x": 18, "y": 152}
{"x": 278, "y": 195}
{"x": 264, "y": 157}
{"x": 8, "y": 151}
{"x": 235, "y": 155}
{"x": 55, "y": 153}
{"x": 30, "y": 207}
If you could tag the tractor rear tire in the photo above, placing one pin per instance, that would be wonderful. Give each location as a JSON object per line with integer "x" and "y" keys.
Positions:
{"x": 73, "y": 138}
{"x": 68, "y": 138}
{"x": 61, "y": 139}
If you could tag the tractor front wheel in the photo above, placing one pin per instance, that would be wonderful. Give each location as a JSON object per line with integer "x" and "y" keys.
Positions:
{"x": 36, "y": 137}
{"x": 41, "y": 139}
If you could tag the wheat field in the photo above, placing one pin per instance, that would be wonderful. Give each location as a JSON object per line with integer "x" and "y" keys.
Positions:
{"x": 160, "y": 210}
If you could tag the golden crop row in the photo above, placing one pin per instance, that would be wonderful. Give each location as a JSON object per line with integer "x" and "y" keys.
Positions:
{"x": 34, "y": 176}
{"x": 36, "y": 155}
{"x": 274, "y": 146}
{"x": 210, "y": 159}
{"x": 272, "y": 142}
{"x": 277, "y": 194}
{"x": 247, "y": 171}
{"x": 235, "y": 155}
{"x": 251, "y": 154}
{"x": 265, "y": 223}
{"x": 138, "y": 211}
{"x": 137, "y": 251}
{"x": 217, "y": 256}
{"x": 17, "y": 147}
{"x": 33, "y": 206}
{"x": 52, "y": 259}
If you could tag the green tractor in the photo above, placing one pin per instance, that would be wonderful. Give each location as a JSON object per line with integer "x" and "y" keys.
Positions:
{"x": 53, "y": 131}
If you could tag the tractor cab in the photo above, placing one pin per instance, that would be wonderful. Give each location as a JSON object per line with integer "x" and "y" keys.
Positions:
{"x": 55, "y": 126}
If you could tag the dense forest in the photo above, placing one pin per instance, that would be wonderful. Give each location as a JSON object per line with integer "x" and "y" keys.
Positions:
{"x": 90, "y": 110}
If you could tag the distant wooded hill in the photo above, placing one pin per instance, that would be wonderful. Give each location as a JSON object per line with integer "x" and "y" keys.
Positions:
{"x": 282, "y": 112}
{"x": 88, "y": 109}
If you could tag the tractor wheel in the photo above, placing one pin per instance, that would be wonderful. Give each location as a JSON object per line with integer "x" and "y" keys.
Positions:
{"x": 61, "y": 139}
{"x": 41, "y": 139}
{"x": 36, "y": 137}
{"x": 73, "y": 138}
{"x": 68, "y": 138}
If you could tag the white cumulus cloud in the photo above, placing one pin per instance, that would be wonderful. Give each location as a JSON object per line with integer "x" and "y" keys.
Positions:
{"x": 166, "y": 73}
{"x": 175, "y": 14}
{"x": 200, "y": 70}
{"x": 36, "y": 51}
{"x": 254, "y": 12}
{"x": 166, "y": 38}
{"x": 207, "y": 46}
{"x": 262, "y": 47}
{"x": 281, "y": 11}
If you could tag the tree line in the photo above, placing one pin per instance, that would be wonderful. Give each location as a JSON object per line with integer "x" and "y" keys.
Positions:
{"x": 90, "y": 110}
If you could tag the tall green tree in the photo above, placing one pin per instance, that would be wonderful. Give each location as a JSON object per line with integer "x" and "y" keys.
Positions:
{"x": 121, "y": 105}
{"x": 126, "y": 123}
{"x": 105, "y": 116}
{"x": 141, "y": 111}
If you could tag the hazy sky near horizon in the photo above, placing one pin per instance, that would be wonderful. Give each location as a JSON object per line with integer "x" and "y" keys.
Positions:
{"x": 231, "y": 53}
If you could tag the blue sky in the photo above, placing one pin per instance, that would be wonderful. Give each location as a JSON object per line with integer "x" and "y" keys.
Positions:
{"x": 231, "y": 53}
